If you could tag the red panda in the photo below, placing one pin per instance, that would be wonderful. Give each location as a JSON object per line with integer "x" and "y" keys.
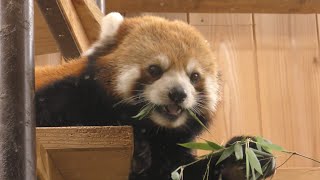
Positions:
{"x": 139, "y": 62}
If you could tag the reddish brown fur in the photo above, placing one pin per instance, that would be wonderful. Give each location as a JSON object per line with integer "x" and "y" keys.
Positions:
{"x": 142, "y": 38}
{"x": 49, "y": 74}
{"x": 155, "y": 33}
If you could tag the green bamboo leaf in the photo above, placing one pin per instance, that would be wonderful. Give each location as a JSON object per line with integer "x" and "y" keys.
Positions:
{"x": 194, "y": 116}
{"x": 261, "y": 153}
{"x": 247, "y": 164}
{"x": 195, "y": 145}
{"x": 263, "y": 143}
{"x": 253, "y": 174}
{"x": 215, "y": 146}
{"x": 259, "y": 139}
{"x": 226, "y": 153}
{"x": 275, "y": 147}
{"x": 143, "y": 112}
{"x": 238, "y": 151}
{"x": 264, "y": 168}
{"x": 267, "y": 145}
{"x": 267, "y": 149}
{"x": 254, "y": 162}
{"x": 259, "y": 147}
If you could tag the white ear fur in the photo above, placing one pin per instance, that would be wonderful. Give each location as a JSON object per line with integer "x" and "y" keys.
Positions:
{"x": 110, "y": 24}
{"x": 109, "y": 27}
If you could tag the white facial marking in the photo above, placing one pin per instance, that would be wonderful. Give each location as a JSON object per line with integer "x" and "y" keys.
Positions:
{"x": 109, "y": 27}
{"x": 164, "y": 61}
{"x": 127, "y": 77}
{"x": 160, "y": 120}
{"x": 193, "y": 66}
{"x": 157, "y": 92}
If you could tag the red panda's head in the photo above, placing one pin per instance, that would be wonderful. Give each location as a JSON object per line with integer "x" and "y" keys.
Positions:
{"x": 166, "y": 64}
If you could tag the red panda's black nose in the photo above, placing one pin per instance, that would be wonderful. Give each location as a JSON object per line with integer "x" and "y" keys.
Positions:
{"x": 177, "y": 94}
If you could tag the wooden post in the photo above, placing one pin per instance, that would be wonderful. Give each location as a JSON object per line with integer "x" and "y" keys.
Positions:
{"x": 17, "y": 127}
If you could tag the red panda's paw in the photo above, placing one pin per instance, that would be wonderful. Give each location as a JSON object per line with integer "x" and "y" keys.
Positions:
{"x": 233, "y": 169}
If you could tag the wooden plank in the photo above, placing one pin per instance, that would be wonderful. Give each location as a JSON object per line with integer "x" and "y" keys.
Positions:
{"x": 215, "y": 6}
{"x": 74, "y": 24}
{"x": 84, "y": 152}
{"x": 43, "y": 39}
{"x": 297, "y": 174}
{"x": 59, "y": 28}
{"x": 90, "y": 17}
{"x": 231, "y": 38}
{"x": 289, "y": 81}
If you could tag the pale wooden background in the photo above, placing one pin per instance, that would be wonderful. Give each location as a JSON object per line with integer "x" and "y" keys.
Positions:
{"x": 271, "y": 77}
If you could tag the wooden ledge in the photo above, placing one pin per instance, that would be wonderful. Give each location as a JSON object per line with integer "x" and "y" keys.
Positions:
{"x": 83, "y": 153}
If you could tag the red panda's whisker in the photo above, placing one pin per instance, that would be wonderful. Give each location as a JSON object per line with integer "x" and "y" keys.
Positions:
{"x": 143, "y": 84}
{"x": 126, "y": 100}
{"x": 193, "y": 109}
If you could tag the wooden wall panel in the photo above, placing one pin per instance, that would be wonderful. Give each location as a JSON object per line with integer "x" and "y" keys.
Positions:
{"x": 170, "y": 16}
{"x": 297, "y": 174}
{"x": 231, "y": 38}
{"x": 289, "y": 81}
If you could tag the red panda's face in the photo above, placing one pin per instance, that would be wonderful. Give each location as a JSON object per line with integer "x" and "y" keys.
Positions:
{"x": 165, "y": 65}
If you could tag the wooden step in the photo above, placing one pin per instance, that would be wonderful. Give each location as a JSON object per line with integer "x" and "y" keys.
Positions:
{"x": 82, "y": 153}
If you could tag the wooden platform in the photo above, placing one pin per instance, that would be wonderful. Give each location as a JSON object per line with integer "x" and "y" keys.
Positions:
{"x": 83, "y": 153}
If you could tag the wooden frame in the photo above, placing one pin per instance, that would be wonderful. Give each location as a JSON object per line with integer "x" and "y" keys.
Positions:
{"x": 71, "y": 24}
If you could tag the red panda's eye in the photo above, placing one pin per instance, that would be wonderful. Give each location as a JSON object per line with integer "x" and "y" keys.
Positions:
{"x": 195, "y": 77}
{"x": 155, "y": 71}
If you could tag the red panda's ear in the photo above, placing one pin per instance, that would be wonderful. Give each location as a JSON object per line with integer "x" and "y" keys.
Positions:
{"x": 108, "y": 36}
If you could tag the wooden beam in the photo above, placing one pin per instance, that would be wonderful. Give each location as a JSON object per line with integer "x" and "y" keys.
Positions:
{"x": 214, "y": 6}
{"x": 75, "y": 27}
{"x": 73, "y": 24}
{"x": 90, "y": 16}
{"x": 84, "y": 152}
{"x": 43, "y": 39}
{"x": 59, "y": 27}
